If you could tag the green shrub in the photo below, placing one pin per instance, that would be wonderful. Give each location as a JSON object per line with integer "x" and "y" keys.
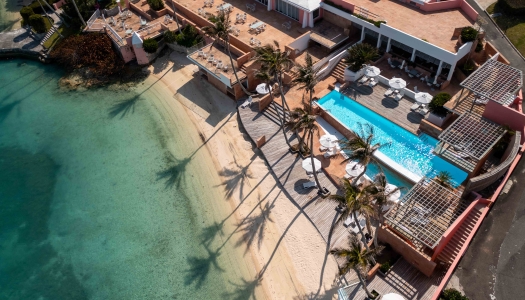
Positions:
{"x": 512, "y": 7}
{"x": 38, "y": 23}
{"x": 156, "y": 4}
{"x": 359, "y": 55}
{"x": 468, "y": 34}
{"x": 479, "y": 46}
{"x": 385, "y": 267}
{"x": 452, "y": 294}
{"x": 26, "y": 12}
{"x": 150, "y": 45}
{"x": 468, "y": 68}
{"x": 436, "y": 105}
{"x": 189, "y": 36}
{"x": 170, "y": 36}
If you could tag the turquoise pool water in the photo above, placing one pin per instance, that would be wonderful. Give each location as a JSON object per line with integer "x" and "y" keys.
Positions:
{"x": 410, "y": 151}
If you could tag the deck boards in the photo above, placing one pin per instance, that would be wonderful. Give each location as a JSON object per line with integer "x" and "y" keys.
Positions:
{"x": 286, "y": 166}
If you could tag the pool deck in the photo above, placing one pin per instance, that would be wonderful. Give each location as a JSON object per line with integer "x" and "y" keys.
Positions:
{"x": 374, "y": 99}
{"x": 286, "y": 167}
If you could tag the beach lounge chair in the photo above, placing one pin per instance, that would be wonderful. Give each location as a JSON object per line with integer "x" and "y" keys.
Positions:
{"x": 330, "y": 153}
{"x": 322, "y": 149}
{"x": 247, "y": 103}
{"x": 415, "y": 106}
{"x": 398, "y": 96}
{"x": 363, "y": 79}
{"x": 349, "y": 220}
{"x": 362, "y": 224}
{"x": 309, "y": 184}
{"x": 389, "y": 92}
{"x": 419, "y": 221}
{"x": 372, "y": 83}
{"x": 423, "y": 111}
{"x": 344, "y": 155}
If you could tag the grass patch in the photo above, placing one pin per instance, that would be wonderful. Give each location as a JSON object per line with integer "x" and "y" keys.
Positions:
{"x": 513, "y": 26}
{"x": 55, "y": 37}
{"x": 48, "y": 23}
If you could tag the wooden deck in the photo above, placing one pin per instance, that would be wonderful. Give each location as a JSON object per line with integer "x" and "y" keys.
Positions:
{"x": 464, "y": 104}
{"x": 374, "y": 99}
{"x": 288, "y": 170}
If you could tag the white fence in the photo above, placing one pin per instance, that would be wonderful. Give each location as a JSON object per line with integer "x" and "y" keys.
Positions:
{"x": 115, "y": 34}
{"x": 92, "y": 20}
{"x": 333, "y": 59}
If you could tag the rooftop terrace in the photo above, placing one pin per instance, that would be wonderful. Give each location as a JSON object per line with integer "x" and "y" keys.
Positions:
{"x": 435, "y": 27}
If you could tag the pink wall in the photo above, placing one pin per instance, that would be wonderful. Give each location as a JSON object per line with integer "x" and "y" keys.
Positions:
{"x": 59, "y": 4}
{"x": 506, "y": 116}
{"x": 467, "y": 9}
{"x": 127, "y": 51}
{"x": 301, "y": 16}
{"x": 142, "y": 57}
{"x": 471, "y": 12}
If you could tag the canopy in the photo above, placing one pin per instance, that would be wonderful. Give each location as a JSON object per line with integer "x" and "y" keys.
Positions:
{"x": 394, "y": 196}
{"x": 397, "y": 83}
{"x": 307, "y": 165}
{"x": 423, "y": 98}
{"x": 372, "y": 71}
{"x": 328, "y": 141}
{"x": 392, "y": 296}
{"x": 263, "y": 89}
{"x": 354, "y": 168}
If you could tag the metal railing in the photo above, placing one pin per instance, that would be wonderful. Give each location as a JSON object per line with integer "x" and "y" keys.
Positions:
{"x": 93, "y": 18}
{"x": 149, "y": 28}
{"x": 115, "y": 34}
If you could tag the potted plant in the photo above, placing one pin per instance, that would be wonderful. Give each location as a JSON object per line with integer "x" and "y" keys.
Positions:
{"x": 468, "y": 34}
{"x": 358, "y": 56}
{"x": 438, "y": 114}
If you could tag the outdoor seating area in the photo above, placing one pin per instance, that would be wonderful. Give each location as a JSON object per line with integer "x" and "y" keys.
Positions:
{"x": 215, "y": 60}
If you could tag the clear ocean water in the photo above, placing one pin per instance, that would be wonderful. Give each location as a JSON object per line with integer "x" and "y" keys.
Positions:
{"x": 100, "y": 200}
{"x": 407, "y": 149}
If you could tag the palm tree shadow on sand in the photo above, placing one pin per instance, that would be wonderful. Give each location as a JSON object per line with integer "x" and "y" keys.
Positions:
{"x": 200, "y": 267}
{"x": 244, "y": 290}
{"x": 236, "y": 177}
{"x": 253, "y": 227}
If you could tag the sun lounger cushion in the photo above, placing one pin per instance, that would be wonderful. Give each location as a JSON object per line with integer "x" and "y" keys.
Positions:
{"x": 414, "y": 107}
{"x": 309, "y": 184}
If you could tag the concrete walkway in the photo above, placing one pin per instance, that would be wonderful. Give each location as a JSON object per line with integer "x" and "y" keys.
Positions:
{"x": 20, "y": 40}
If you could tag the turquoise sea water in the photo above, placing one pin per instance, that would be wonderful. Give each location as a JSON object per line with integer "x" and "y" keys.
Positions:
{"x": 99, "y": 200}
{"x": 415, "y": 153}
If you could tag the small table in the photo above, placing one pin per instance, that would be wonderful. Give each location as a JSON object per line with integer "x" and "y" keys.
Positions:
{"x": 414, "y": 73}
{"x": 129, "y": 31}
{"x": 224, "y": 6}
{"x": 396, "y": 63}
{"x": 256, "y": 25}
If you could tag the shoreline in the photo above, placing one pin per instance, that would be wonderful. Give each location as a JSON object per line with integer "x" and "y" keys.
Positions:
{"x": 289, "y": 257}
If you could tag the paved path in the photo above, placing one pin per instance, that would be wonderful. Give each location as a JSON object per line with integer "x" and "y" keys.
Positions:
{"x": 19, "y": 40}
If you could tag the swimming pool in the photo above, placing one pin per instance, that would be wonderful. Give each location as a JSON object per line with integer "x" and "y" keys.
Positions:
{"x": 410, "y": 151}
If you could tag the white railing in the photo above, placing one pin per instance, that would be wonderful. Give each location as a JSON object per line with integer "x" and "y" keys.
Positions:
{"x": 148, "y": 29}
{"x": 332, "y": 60}
{"x": 93, "y": 18}
{"x": 114, "y": 33}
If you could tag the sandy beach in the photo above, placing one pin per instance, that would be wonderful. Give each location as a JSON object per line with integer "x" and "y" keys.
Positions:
{"x": 288, "y": 252}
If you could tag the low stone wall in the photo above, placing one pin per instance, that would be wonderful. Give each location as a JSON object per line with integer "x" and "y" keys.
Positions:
{"x": 430, "y": 129}
{"x": 264, "y": 101}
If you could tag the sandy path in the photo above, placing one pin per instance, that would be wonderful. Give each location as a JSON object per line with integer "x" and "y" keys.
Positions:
{"x": 285, "y": 247}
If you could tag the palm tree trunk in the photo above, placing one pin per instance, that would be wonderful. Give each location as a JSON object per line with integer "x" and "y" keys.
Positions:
{"x": 354, "y": 183}
{"x": 61, "y": 19}
{"x": 78, "y": 12}
{"x": 360, "y": 230}
{"x": 234, "y": 71}
{"x": 312, "y": 158}
{"x": 363, "y": 282}
{"x": 281, "y": 90}
{"x": 302, "y": 140}
{"x": 380, "y": 220}
{"x": 310, "y": 106}
{"x": 175, "y": 14}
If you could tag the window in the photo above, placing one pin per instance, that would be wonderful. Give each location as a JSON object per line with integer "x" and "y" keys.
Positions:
{"x": 265, "y": 2}
{"x": 287, "y": 9}
{"x": 316, "y": 13}
{"x": 400, "y": 49}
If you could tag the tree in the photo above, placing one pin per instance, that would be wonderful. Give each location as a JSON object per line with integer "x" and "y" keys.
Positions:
{"x": 307, "y": 77}
{"x": 444, "y": 178}
{"x": 361, "y": 148}
{"x": 156, "y": 5}
{"x": 299, "y": 120}
{"x": 220, "y": 32}
{"x": 356, "y": 258}
{"x": 38, "y": 23}
{"x": 26, "y": 12}
{"x": 312, "y": 128}
{"x": 150, "y": 45}
{"x": 377, "y": 191}
{"x": 353, "y": 201}
{"x": 275, "y": 62}
{"x": 360, "y": 54}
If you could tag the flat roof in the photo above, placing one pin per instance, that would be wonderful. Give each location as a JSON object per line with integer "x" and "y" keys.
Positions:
{"x": 309, "y": 5}
{"x": 221, "y": 56}
{"x": 436, "y": 27}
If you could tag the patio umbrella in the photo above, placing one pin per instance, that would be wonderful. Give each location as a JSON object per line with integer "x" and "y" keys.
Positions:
{"x": 392, "y": 296}
{"x": 395, "y": 196}
{"x": 397, "y": 83}
{"x": 328, "y": 141}
{"x": 354, "y": 168}
{"x": 423, "y": 98}
{"x": 263, "y": 89}
{"x": 372, "y": 71}
{"x": 307, "y": 165}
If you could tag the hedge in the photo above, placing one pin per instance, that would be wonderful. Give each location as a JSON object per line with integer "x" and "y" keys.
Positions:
{"x": 468, "y": 34}
{"x": 26, "y": 12}
{"x": 513, "y": 7}
{"x": 150, "y": 45}
{"x": 38, "y": 23}
{"x": 436, "y": 105}
{"x": 156, "y": 4}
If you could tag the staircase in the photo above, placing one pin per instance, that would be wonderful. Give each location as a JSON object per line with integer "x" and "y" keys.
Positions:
{"x": 272, "y": 114}
{"x": 339, "y": 71}
{"x": 48, "y": 34}
{"x": 451, "y": 250}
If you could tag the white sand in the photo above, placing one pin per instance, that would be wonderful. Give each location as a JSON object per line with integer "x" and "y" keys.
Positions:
{"x": 290, "y": 253}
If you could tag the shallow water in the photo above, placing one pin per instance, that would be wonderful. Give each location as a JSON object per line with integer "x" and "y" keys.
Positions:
{"x": 100, "y": 198}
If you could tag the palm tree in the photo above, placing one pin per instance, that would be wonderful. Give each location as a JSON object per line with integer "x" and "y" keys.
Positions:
{"x": 377, "y": 191}
{"x": 444, "y": 178}
{"x": 356, "y": 258}
{"x": 360, "y": 54}
{"x": 275, "y": 62}
{"x": 307, "y": 77}
{"x": 220, "y": 32}
{"x": 353, "y": 201}
{"x": 312, "y": 128}
{"x": 300, "y": 120}
{"x": 361, "y": 148}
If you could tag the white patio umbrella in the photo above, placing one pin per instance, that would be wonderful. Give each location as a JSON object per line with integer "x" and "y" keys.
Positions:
{"x": 392, "y": 296}
{"x": 307, "y": 165}
{"x": 397, "y": 83}
{"x": 328, "y": 140}
{"x": 354, "y": 168}
{"x": 263, "y": 89}
{"x": 372, "y": 71}
{"x": 394, "y": 196}
{"x": 423, "y": 98}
